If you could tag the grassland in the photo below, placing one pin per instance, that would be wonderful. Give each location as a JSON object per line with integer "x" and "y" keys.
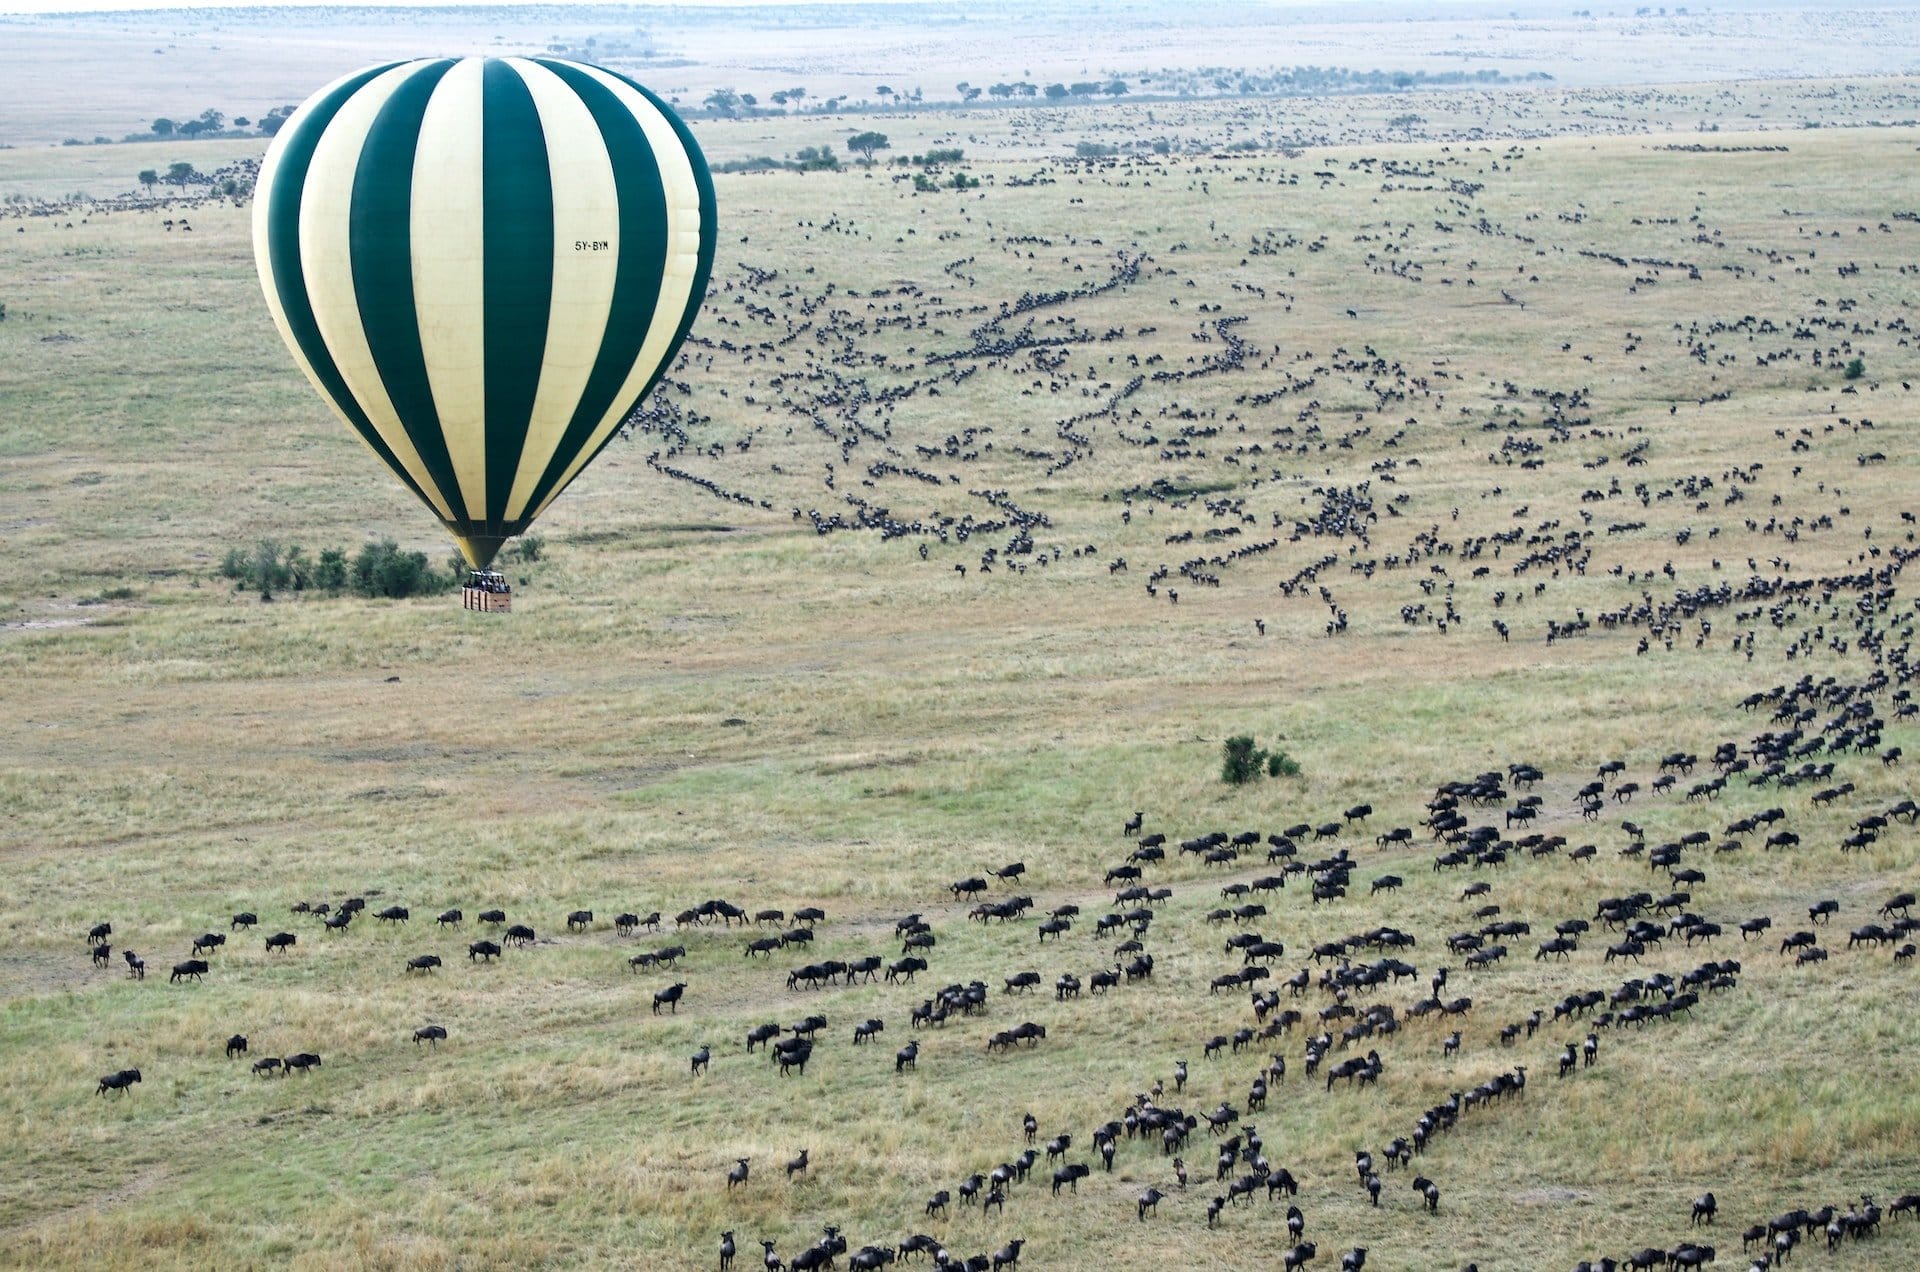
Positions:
{"x": 700, "y": 698}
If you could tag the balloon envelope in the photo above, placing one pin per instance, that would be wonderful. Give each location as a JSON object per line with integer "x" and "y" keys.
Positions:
{"x": 484, "y": 264}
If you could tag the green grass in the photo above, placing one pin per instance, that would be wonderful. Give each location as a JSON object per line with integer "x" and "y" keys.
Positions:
{"x": 175, "y": 750}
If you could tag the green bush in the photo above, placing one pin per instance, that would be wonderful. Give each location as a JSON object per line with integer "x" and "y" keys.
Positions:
{"x": 1240, "y": 761}
{"x": 382, "y": 569}
{"x": 378, "y": 569}
{"x": 331, "y": 574}
{"x": 1856, "y": 368}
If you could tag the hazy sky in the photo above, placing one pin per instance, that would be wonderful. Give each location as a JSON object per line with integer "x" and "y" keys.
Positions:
{"x": 95, "y": 6}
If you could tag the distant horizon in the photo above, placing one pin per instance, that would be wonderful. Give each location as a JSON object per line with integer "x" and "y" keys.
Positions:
{"x": 71, "y": 8}
{"x": 74, "y": 8}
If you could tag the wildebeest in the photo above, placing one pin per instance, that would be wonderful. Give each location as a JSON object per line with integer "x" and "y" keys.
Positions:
{"x": 433, "y": 1035}
{"x": 393, "y": 914}
{"x": 302, "y": 1062}
{"x": 236, "y": 1046}
{"x": 670, "y": 996}
{"x": 120, "y": 1081}
{"x": 485, "y": 951}
{"x": 192, "y": 967}
{"x": 423, "y": 963}
{"x": 281, "y": 941}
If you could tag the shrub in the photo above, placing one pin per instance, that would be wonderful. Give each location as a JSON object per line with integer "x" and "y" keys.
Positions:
{"x": 1240, "y": 761}
{"x": 378, "y": 569}
{"x": 1856, "y": 368}
{"x": 382, "y": 569}
{"x": 331, "y": 574}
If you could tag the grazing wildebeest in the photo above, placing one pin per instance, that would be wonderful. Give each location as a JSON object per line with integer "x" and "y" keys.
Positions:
{"x": 120, "y": 1081}
{"x": 423, "y": 963}
{"x": 1148, "y": 1200}
{"x": 433, "y": 1035}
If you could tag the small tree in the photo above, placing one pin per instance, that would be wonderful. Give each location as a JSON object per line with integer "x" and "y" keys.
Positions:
{"x": 180, "y": 173}
{"x": 1856, "y": 368}
{"x": 331, "y": 574}
{"x": 1056, "y": 92}
{"x": 723, "y": 101}
{"x": 1241, "y": 762}
{"x": 865, "y": 143}
{"x": 163, "y": 127}
{"x": 149, "y": 178}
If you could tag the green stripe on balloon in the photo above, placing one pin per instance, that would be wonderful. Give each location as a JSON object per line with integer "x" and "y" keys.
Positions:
{"x": 381, "y": 235}
{"x": 289, "y": 274}
{"x": 641, "y": 264}
{"x": 518, "y": 275}
{"x": 709, "y": 240}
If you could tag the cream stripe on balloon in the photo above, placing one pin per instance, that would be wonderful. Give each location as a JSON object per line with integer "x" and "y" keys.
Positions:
{"x": 263, "y": 257}
{"x": 449, "y": 272}
{"x": 586, "y": 211}
{"x": 682, "y": 263}
{"x": 326, "y": 256}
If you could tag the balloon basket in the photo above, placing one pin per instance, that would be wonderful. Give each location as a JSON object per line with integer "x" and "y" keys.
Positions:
{"x": 487, "y": 592}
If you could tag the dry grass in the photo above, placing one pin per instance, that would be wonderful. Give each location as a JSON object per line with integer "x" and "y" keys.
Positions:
{"x": 184, "y": 752}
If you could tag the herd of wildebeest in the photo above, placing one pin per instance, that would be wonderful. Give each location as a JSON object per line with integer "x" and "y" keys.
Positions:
{"x": 1316, "y": 437}
{"x": 1335, "y": 1020}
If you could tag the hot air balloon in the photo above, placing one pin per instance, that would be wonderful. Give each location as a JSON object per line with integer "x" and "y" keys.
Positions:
{"x": 484, "y": 264}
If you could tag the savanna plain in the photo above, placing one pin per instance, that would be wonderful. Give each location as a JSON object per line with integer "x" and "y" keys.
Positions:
{"x": 972, "y": 523}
